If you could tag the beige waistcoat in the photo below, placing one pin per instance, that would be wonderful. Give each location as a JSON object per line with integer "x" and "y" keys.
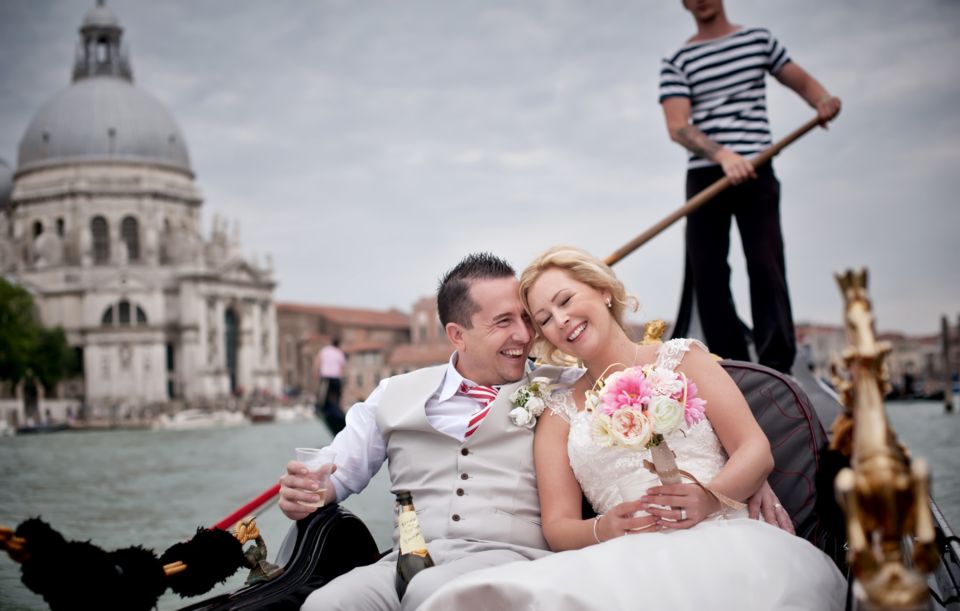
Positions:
{"x": 481, "y": 489}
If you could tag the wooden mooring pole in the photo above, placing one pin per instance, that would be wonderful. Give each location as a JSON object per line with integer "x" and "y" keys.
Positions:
{"x": 947, "y": 370}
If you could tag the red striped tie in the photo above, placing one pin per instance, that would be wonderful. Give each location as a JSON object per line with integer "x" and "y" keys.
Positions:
{"x": 484, "y": 395}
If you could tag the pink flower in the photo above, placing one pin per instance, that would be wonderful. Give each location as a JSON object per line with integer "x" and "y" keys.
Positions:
{"x": 627, "y": 389}
{"x": 695, "y": 408}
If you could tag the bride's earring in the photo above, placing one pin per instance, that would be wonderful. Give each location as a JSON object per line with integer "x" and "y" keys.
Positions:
{"x": 609, "y": 303}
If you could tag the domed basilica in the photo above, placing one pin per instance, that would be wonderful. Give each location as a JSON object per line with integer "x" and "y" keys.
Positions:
{"x": 100, "y": 219}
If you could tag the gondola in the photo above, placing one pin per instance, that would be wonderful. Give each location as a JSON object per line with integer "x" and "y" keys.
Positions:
{"x": 791, "y": 410}
{"x": 813, "y": 439}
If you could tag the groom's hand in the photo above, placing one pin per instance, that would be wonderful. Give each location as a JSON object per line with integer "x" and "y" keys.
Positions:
{"x": 765, "y": 504}
{"x": 296, "y": 488}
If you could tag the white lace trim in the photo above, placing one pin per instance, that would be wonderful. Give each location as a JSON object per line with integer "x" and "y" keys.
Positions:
{"x": 671, "y": 352}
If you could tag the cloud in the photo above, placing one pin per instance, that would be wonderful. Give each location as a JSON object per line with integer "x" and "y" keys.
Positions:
{"x": 368, "y": 146}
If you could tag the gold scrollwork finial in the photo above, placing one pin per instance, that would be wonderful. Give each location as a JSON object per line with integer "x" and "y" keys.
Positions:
{"x": 884, "y": 494}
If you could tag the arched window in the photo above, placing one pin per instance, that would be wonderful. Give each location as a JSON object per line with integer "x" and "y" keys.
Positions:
{"x": 130, "y": 234}
{"x": 101, "y": 50}
{"x": 123, "y": 312}
{"x": 101, "y": 239}
{"x": 122, "y": 315}
{"x": 37, "y": 228}
{"x": 60, "y": 227}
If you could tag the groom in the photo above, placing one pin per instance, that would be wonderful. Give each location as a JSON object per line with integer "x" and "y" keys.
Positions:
{"x": 470, "y": 469}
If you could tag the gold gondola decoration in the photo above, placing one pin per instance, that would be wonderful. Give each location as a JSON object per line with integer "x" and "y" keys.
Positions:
{"x": 884, "y": 493}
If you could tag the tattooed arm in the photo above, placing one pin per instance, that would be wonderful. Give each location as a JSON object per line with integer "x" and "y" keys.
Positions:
{"x": 677, "y": 113}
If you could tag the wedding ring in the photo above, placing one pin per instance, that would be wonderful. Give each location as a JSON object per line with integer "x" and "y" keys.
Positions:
{"x": 777, "y": 506}
{"x": 683, "y": 514}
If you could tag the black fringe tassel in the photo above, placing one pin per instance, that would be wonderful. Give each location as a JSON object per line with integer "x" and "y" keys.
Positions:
{"x": 80, "y": 575}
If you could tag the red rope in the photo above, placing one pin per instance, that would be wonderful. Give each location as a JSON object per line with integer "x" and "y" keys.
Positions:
{"x": 249, "y": 508}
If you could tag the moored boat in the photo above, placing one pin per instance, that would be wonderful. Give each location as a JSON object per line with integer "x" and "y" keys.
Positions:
{"x": 189, "y": 419}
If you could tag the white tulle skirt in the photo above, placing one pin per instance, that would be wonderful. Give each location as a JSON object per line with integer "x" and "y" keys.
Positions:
{"x": 722, "y": 564}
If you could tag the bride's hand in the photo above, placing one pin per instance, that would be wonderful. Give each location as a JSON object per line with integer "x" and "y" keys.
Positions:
{"x": 619, "y": 521}
{"x": 688, "y": 505}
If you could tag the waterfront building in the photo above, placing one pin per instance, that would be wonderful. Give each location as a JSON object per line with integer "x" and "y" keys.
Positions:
{"x": 378, "y": 343}
{"x": 103, "y": 227}
{"x": 366, "y": 336}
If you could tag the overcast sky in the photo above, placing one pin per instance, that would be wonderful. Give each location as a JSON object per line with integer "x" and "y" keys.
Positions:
{"x": 368, "y": 145}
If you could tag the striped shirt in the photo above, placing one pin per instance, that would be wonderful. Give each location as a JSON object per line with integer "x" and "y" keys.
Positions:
{"x": 724, "y": 80}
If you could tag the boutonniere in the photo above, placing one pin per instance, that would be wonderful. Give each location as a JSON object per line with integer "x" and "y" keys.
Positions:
{"x": 529, "y": 401}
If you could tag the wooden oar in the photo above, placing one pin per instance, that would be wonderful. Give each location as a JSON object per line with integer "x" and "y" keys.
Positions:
{"x": 707, "y": 194}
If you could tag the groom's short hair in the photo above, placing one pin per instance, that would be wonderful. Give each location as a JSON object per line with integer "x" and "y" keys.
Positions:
{"x": 453, "y": 296}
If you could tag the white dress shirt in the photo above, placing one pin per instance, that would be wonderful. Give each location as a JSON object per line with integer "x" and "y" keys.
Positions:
{"x": 361, "y": 448}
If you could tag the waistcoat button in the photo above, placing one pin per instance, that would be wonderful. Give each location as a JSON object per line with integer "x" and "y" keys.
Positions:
{"x": 464, "y": 476}
{"x": 464, "y": 451}
{"x": 459, "y": 491}
{"x": 456, "y": 517}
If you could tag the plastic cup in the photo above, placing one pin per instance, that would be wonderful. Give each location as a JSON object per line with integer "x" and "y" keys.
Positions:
{"x": 319, "y": 461}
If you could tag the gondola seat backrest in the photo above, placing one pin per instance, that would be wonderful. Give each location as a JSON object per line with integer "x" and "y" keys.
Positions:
{"x": 798, "y": 440}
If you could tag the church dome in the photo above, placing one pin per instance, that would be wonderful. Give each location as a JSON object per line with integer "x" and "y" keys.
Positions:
{"x": 100, "y": 16}
{"x": 102, "y": 115}
{"x": 103, "y": 118}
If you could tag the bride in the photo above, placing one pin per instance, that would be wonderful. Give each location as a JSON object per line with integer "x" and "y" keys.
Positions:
{"x": 689, "y": 546}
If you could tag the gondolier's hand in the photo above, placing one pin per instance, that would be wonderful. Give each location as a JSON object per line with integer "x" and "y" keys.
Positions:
{"x": 765, "y": 504}
{"x": 297, "y": 487}
{"x": 827, "y": 109}
{"x": 737, "y": 168}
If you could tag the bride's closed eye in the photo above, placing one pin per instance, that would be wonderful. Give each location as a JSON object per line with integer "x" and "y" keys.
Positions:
{"x": 547, "y": 319}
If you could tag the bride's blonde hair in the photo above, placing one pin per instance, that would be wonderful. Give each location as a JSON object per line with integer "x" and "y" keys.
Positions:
{"x": 585, "y": 268}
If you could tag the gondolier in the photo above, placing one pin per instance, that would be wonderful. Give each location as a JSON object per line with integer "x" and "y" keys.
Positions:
{"x": 714, "y": 101}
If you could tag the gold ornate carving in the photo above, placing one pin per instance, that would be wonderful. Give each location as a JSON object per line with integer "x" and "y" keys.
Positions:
{"x": 653, "y": 332}
{"x": 885, "y": 494}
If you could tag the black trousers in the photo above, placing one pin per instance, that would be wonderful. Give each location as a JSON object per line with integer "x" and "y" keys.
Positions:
{"x": 756, "y": 207}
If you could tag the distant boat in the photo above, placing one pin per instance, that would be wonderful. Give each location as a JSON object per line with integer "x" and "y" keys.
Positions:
{"x": 262, "y": 413}
{"x": 294, "y": 413}
{"x": 189, "y": 419}
{"x": 52, "y": 427}
{"x": 280, "y": 413}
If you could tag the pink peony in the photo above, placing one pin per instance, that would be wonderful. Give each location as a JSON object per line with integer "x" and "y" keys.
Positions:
{"x": 631, "y": 428}
{"x": 695, "y": 409}
{"x": 625, "y": 389}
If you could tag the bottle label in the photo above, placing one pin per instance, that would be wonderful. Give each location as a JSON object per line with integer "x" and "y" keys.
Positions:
{"x": 411, "y": 539}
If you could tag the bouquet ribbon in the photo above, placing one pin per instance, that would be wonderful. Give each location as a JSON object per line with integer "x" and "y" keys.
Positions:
{"x": 674, "y": 476}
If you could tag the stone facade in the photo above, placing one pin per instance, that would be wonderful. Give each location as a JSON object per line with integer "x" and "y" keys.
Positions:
{"x": 109, "y": 242}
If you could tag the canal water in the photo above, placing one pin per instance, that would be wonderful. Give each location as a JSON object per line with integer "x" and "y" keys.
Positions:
{"x": 154, "y": 488}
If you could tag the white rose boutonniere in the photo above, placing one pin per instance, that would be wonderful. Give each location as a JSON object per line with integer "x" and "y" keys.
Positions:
{"x": 529, "y": 401}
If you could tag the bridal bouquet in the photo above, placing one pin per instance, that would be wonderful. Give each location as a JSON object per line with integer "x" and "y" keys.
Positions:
{"x": 638, "y": 407}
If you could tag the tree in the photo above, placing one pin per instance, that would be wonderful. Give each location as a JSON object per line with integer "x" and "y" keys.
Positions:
{"x": 28, "y": 350}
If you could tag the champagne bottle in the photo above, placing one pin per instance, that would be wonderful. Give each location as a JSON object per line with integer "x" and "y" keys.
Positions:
{"x": 414, "y": 556}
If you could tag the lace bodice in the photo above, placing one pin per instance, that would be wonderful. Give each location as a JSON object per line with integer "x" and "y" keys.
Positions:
{"x": 598, "y": 469}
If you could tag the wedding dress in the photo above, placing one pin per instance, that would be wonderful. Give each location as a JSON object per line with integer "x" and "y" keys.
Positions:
{"x": 724, "y": 562}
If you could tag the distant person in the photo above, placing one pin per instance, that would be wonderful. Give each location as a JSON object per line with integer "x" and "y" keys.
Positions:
{"x": 714, "y": 100}
{"x": 330, "y": 364}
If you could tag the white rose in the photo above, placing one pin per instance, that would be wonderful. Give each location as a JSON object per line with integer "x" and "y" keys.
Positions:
{"x": 522, "y": 417}
{"x": 542, "y": 381}
{"x": 535, "y": 405}
{"x": 666, "y": 414}
{"x": 515, "y": 397}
